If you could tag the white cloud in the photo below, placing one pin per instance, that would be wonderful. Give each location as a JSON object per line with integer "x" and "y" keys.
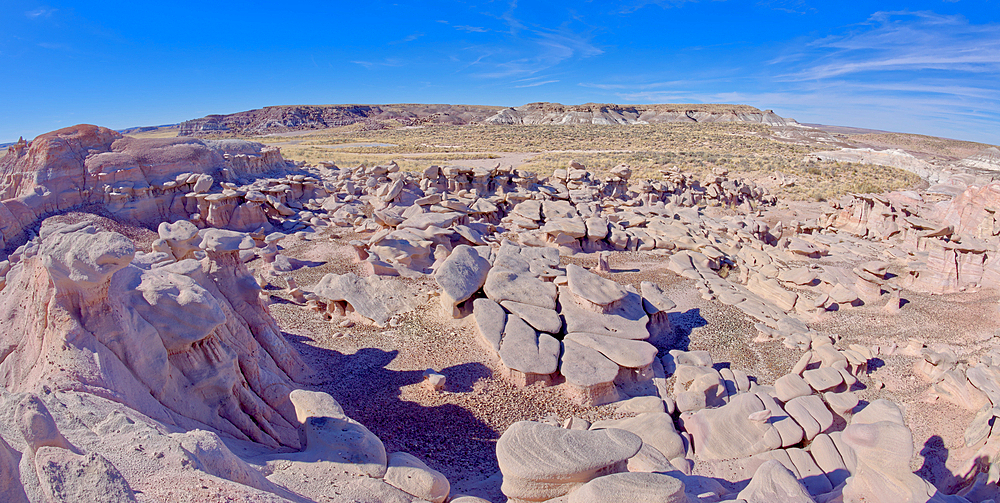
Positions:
{"x": 40, "y": 12}
{"x": 536, "y": 84}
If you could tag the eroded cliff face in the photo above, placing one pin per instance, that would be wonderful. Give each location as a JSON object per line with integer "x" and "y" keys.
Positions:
{"x": 279, "y": 119}
{"x": 607, "y": 114}
{"x": 142, "y": 180}
{"x": 187, "y": 342}
{"x": 282, "y": 119}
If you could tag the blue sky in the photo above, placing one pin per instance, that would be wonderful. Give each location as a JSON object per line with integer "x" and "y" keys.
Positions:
{"x": 930, "y": 67}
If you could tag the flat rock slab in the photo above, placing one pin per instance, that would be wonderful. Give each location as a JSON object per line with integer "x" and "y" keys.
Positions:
{"x": 372, "y": 297}
{"x": 625, "y": 352}
{"x": 490, "y": 320}
{"x": 527, "y": 351}
{"x": 544, "y": 320}
{"x": 585, "y": 367}
{"x": 628, "y": 320}
{"x": 823, "y": 379}
{"x": 425, "y": 220}
{"x": 619, "y": 487}
{"x": 656, "y": 429}
{"x": 541, "y": 462}
{"x": 589, "y": 287}
{"x": 461, "y": 275}
{"x": 504, "y": 285}
{"x": 653, "y": 298}
{"x": 410, "y": 474}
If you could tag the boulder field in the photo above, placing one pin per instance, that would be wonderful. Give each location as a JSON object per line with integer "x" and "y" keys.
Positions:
{"x": 140, "y": 359}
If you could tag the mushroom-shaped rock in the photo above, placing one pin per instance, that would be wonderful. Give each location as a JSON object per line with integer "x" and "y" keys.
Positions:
{"x": 773, "y": 483}
{"x": 332, "y": 436}
{"x": 541, "y": 462}
{"x": 460, "y": 275}
{"x": 181, "y": 237}
{"x": 526, "y": 351}
{"x": 627, "y": 320}
{"x": 620, "y": 487}
{"x": 589, "y": 374}
{"x": 653, "y": 298}
{"x": 222, "y": 240}
{"x": 80, "y": 256}
{"x": 409, "y": 474}
{"x": 371, "y": 297}
{"x": 592, "y": 291}
{"x": 180, "y": 310}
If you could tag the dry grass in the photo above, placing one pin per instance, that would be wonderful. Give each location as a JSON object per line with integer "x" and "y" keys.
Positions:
{"x": 157, "y": 133}
{"x": 817, "y": 181}
{"x": 746, "y": 150}
{"x": 718, "y": 137}
{"x": 313, "y": 155}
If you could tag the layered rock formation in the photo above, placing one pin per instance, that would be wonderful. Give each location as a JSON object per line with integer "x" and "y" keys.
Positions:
{"x": 280, "y": 119}
{"x": 606, "y": 114}
{"x": 146, "y": 181}
{"x": 137, "y": 362}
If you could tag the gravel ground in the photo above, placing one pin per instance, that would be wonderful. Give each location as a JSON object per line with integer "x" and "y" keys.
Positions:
{"x": 376, "y": 374}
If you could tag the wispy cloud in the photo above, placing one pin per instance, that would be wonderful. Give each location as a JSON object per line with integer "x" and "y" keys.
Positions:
{"x": 471, "y": 29}
{"x": 535, "y": 50}
{"x": 905, "y": 42}
{"x": 631, "y": 6}
{"x": 902, "y": 71}
{"x": 536, "y": 84}
{"x": 41, "y": 12}
{"x": 408, "y": 38}
{"x": 372, "y": 64}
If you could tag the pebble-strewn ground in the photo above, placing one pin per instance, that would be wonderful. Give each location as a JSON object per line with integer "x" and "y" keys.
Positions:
{"x": 376, "y": 374}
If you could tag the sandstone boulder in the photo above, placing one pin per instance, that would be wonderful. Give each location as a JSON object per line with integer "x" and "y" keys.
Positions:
{"x": 541, "y": 462}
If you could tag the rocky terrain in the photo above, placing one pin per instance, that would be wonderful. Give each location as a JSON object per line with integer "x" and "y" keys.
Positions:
{"x": 201, "y": 320}
{"x": 281, "y": 119}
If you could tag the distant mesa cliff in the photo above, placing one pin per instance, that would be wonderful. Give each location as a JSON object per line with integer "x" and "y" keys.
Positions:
{"x": 280, "y": 119}
{"x": 597, "y": 113}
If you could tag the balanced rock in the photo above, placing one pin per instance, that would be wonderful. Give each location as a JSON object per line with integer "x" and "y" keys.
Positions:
{"x": 593, "y": 292}
{"x": 541, "y": 462}
{"x": 532, "y": 355}
{"x": 589, "y": 374}
{"x": 460, "y": 276}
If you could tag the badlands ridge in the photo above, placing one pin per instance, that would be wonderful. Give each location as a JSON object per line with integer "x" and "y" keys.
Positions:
{"x": 191, "y": 319}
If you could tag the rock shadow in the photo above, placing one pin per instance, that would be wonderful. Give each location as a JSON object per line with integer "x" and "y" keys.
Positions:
{"x": 448, "y": 437}
{"x": 933, "y": 469}
{"x": 683, "y": 324}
